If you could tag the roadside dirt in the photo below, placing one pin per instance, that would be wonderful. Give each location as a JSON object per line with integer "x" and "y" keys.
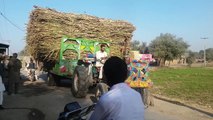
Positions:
{"x": 168, "y": 111}
{"x": 50, "y": 101}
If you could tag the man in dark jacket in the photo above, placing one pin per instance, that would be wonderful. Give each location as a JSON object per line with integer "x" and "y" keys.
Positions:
{"x": 5, "y": 71}
{"x": 14, "y": 67}
{"x": 1, "y": 65}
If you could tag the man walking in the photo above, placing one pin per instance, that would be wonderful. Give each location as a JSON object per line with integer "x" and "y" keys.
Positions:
{"x": 14, "y": 67}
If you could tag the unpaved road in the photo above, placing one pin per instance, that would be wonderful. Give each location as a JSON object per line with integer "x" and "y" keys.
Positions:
{"x": 168, "y": 111}
{"x": 51, "y": 100}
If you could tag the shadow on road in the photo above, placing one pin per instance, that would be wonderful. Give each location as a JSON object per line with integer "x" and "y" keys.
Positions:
{"x": 39, "y": 87}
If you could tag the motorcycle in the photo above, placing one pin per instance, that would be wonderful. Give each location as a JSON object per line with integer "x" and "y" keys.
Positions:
{"x": 73, "y": 111}
{"x": 31, "y": 75}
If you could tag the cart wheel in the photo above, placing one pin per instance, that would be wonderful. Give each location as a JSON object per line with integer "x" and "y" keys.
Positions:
{"x": 147, "y": 97}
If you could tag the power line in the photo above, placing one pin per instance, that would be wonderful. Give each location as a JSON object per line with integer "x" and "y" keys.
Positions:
{"x": 10, "y": 21}
{"x": 4, "y": 22}
{"x": 3, "y": 6}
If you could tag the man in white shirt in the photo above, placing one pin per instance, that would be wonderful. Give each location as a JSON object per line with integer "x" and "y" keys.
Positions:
{"x": 121, "y": 102}
{"x": 101, "y": 57}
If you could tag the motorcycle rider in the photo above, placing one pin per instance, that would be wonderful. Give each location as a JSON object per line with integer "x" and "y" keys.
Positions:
{"x": 31, "y": 69}
{"x": 121, "y": 102}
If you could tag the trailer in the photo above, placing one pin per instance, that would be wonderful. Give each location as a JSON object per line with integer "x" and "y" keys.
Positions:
{"x": 139, "y": 76}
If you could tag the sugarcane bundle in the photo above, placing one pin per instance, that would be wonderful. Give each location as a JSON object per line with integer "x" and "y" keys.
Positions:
{"x": 46, "y": 27}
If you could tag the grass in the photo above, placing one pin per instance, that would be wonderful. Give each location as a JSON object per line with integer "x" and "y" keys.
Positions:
{"x": 189, "y": 84}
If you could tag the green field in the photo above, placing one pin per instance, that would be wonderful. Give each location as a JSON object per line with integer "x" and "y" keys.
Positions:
{"x": 193, "y": 85}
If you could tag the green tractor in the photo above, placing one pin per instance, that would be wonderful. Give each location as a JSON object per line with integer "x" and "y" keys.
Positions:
{"x": 78, "y": 65}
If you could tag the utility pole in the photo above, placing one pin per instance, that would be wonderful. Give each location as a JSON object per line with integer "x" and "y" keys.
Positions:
{"x": 204, "y": 56}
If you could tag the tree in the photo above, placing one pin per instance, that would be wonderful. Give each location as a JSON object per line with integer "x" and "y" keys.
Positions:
{"x": 209, "y": 54}
{"x": 135, "y": 45}
{"x": 197, "y": 55}
{"x": 201, "y": 54}
{"x": 191, "y": 58}
{"x": 140, "y": 46}
{"x": 167, "y": 47}
{"x": 24, "y": 51}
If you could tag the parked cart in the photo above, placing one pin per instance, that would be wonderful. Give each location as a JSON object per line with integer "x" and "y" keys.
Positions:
{"x": 139, "y": 79}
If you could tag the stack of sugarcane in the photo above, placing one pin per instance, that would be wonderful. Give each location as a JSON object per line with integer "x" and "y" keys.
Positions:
{"x": 46, "y": 27}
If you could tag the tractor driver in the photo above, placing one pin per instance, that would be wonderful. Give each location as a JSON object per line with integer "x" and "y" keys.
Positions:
{"x": 101, "y": 57}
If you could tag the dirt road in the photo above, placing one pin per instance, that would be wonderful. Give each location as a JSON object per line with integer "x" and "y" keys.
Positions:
{"x": 168, "y": 111}
{"x": 47, "y": 102}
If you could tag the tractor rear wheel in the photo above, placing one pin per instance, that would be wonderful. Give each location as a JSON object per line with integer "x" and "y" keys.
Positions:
{"x": 80, "y": 82}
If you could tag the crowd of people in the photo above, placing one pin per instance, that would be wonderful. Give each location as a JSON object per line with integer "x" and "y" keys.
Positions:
{"x": 10, "y": 67}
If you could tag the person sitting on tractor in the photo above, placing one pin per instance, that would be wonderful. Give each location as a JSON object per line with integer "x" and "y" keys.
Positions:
{"x": 101, "y": 57}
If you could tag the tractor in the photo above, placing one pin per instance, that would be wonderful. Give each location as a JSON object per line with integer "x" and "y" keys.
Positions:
{"x": 78, "y": 65}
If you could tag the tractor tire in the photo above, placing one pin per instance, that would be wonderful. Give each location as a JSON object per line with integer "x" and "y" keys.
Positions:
{"x": 101, "y": 88}
{"x": 53, "y": 80}
{"x": 80, "y": 82}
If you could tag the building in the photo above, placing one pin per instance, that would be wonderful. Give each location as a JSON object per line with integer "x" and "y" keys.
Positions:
{"x": 4, "y": 49}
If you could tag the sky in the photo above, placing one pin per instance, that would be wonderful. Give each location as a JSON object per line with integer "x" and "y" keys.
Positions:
{"x": 188, "y": 19}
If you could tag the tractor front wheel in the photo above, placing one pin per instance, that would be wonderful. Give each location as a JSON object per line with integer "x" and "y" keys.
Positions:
{"x": 53, "y": 80}
{"x": 101, "y": 88}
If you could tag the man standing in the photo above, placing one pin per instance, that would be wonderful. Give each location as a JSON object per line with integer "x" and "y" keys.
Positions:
{"x": 121, "y": 102}
{"x": 5, "y": 75}
{"x": 1, "y": 65}
{"x": 2, "y": 87}
{"x": 101, "y": 57}
{"x": 14, "y": 67}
